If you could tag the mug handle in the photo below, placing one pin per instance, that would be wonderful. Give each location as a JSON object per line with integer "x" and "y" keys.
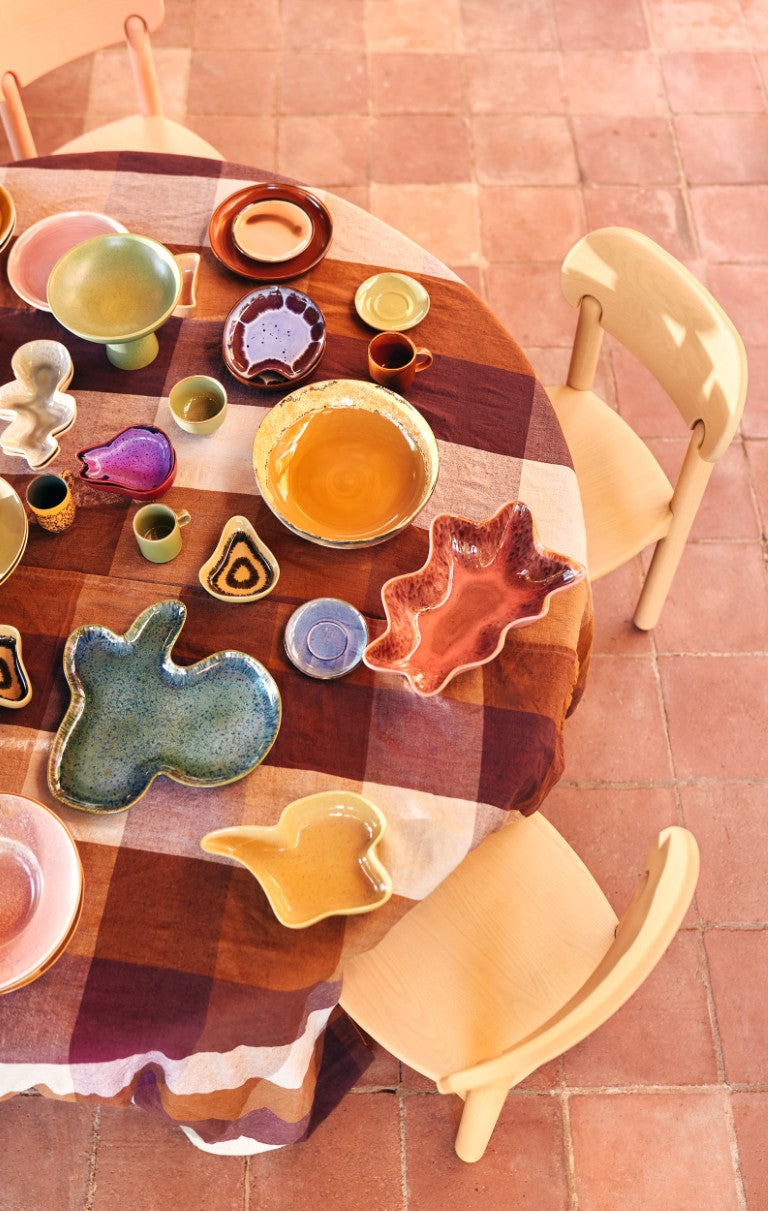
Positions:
{"x": 189, "y": 264}
{"x": 423, "y": 359}
{"x": 183, "y": 517}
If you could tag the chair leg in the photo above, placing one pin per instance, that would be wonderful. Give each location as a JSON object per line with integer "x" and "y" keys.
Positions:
{"x": 482, "y": 1108}
{"x": 693, "y": 479}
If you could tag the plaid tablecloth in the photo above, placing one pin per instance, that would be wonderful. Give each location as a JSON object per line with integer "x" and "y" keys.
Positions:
{"x": 179, "y": 991}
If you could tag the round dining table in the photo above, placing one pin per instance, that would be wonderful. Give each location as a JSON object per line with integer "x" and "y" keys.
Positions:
{"x": 179, "y": 991}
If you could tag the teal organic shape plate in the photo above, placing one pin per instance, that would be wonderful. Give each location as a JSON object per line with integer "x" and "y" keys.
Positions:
{"x": 135, "y": 714}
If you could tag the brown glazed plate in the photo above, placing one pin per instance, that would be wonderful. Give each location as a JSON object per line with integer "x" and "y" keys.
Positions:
{"x": 226, "y": 250}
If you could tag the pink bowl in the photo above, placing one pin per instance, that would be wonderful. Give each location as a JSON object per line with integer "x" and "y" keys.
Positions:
{"x": 37, "y": 250}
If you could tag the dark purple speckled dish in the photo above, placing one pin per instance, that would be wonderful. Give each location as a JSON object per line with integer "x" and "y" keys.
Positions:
{"x": 139, "y": 461}
{"x": 273, "y": 338}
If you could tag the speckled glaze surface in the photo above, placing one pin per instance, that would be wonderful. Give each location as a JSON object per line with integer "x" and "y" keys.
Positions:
{"x": 41, "y": 883}
{"x": 139, "y": 461}
{"x": 324, "y": 638}
{"x": 242, "y": 568}
{"x": 37, "y": 250}
{"x": 225, "y": 248}
{"x": 15, "y": 686}
{"x": 273, "y": 337}
{"x": 337, "y": 477}
{"x": 481, "y": 579}
{"x": 318, "y": 861}
{"x": 36, "y": 404}
{"x": 135, "y": 714}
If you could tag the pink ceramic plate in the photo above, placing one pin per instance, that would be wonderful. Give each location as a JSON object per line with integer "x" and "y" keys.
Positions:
{"x": 273, "y": 337}
{"x": 41, "y": 882}
{"x": 37, "y": 250}
{"x": 481, "y": 579}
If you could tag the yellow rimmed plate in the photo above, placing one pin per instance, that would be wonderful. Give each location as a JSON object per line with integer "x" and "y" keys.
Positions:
{"x": 14, "y": 529}
{"x": 391, "y": 302}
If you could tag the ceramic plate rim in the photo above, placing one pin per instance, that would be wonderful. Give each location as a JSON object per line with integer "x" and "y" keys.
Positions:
{"x": 66, "y": 850}
{"x": 364, "y": 289}
{"x": 8, "y": 205}
{"x": 226, "y": 251}
{"x": 7, "y": 495}
{"x": 30, "y": 234}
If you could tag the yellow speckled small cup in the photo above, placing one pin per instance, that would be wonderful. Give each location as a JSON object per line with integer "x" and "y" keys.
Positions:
{"x": 50, "y": 500}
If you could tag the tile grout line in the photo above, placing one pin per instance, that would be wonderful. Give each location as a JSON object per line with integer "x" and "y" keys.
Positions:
{"x": 92, "y": 1160}
{"x": 403, "y": 1147}
{"x": 570, "y": 1160}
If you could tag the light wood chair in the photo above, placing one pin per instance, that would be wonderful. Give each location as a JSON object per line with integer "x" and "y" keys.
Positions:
{"x": 512, "y": 960}
{"x": 625, "y": 284}
{"x": 40, "y": 35}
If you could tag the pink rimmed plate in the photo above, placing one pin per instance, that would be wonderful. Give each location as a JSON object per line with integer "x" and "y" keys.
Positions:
{"x": 41, "y": 884}
{"x": 481, "y": 579}
{"x": 37, "y": 250}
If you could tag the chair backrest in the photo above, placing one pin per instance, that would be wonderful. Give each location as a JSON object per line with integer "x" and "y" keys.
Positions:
{"x": 659, "y": 311}
{"x": 40, "y": 35}
{"x": 642, "y": 935}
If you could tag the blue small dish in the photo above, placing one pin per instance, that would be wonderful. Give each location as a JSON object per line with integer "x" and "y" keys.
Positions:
{"x": 325, "y": 638}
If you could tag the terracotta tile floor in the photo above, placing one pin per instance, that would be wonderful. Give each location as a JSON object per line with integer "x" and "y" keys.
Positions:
{"x": 496, "y": 132}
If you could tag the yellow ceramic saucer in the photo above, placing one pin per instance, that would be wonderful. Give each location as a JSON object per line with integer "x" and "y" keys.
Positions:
{"x": 391, "y": 302}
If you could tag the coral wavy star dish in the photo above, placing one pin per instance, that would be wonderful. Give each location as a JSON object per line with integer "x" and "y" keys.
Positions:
{"x": 481, "y": 579}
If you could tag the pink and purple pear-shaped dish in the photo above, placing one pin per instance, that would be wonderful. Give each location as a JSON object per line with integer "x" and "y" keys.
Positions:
{"x": 139, "y": 461}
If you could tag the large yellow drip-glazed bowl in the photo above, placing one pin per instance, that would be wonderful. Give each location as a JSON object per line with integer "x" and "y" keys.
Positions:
{"x": 116, "y": 290}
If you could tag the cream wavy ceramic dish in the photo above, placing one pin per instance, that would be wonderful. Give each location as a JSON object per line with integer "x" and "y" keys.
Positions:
{"x": 36, "y": 405}
{"x": 318, "y": 861}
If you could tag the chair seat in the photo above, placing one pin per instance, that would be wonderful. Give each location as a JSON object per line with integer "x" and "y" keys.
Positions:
{"x": 139, "y": 133}
{"x": 624, "y": 492}
{"x": 505, "y": 941}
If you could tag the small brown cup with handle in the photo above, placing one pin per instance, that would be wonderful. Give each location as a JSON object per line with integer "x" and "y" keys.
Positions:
{"x": 394, "y": 360}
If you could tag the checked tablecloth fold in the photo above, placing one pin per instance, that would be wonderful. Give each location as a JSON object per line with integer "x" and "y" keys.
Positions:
{"x": 179, "y": 991}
